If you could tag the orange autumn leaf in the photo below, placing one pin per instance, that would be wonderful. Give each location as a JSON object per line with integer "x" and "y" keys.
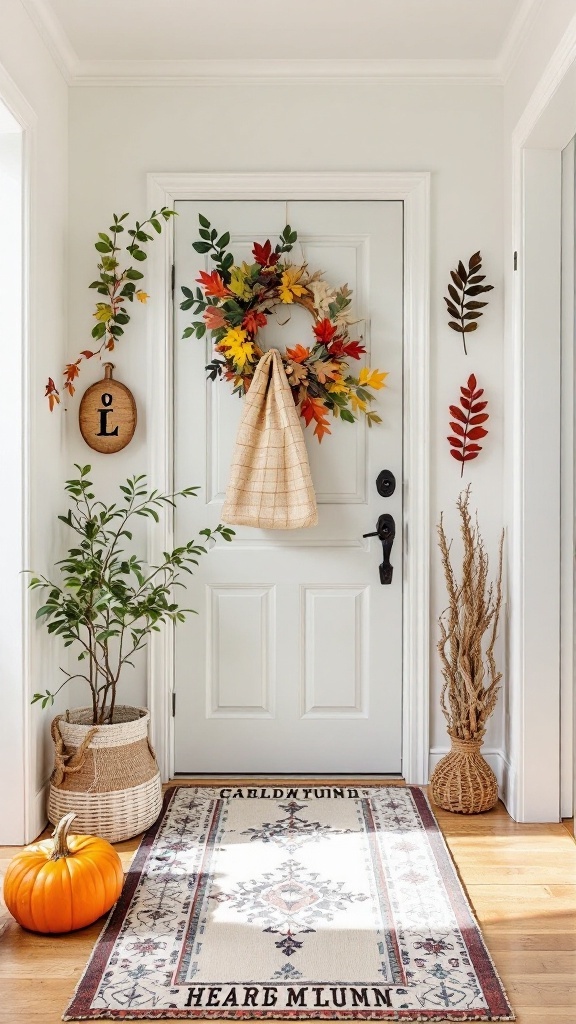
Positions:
{"x": 52, "y": 394}
{"x": 314, "y": 409}
{"x": 212, "y": 284}
{"x": 214, "y": 318}
{"x": 71, "y": 370}
{"x": 298, "y": 354}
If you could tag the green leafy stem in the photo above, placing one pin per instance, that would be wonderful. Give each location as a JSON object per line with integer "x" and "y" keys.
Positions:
{"x": 119, "y": 286}
{"x": 109, "y": 601}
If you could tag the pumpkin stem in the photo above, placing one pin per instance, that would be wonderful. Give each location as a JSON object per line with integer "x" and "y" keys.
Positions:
{"x": 60, "y": 837}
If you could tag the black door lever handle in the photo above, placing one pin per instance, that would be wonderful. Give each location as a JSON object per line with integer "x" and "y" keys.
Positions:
{"x": 386, "y": 531}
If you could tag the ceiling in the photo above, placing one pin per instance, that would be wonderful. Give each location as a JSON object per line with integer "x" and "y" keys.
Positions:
{"x": 91, "y": 37}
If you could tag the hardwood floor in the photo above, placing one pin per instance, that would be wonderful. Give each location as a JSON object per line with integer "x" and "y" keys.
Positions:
{"x": 520, "y": 879}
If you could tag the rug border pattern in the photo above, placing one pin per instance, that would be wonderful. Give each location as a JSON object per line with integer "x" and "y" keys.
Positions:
{"x": 499, "y": 1008}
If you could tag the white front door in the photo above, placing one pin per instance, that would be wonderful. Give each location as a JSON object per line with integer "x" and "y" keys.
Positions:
{"x": 294, "y": 662}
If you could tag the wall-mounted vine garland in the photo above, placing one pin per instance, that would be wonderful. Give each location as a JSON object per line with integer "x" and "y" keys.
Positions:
{"x": 118, "y": 286}
{"x": 235, "y": 302}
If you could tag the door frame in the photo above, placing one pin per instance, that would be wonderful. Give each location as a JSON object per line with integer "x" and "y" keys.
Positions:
{"x": 539, "y": 462}
{"x": 413, "y": 189}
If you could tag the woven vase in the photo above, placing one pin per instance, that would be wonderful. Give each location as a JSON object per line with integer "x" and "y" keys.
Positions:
{"x": 463, "y": 781}
{"x": 106, "y": 774}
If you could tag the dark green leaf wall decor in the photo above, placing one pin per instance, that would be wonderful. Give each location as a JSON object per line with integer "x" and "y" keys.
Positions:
{"x": 463, "y": 306}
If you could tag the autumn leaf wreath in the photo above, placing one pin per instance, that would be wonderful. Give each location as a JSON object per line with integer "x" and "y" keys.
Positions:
{"x": 235, "y": 302}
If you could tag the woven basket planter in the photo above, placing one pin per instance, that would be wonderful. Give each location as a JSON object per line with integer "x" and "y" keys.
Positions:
{"x": 106, "y": 774}
{"x": 463, "y": 781}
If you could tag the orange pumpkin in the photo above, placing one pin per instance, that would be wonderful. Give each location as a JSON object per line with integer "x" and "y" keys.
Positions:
{"x": 63, "y": 883}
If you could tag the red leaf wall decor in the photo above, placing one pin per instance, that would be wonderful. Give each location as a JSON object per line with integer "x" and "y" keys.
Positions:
{"x": 466, "y": 423}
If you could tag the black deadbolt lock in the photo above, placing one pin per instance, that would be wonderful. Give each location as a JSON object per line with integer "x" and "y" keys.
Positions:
{"x": 386, "y": 483}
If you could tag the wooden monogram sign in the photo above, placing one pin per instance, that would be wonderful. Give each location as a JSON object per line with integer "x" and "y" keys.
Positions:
{"x": 107, "y": 414}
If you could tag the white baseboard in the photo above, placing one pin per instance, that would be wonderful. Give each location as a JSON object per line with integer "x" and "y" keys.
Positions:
{"x": 499, "y": 764}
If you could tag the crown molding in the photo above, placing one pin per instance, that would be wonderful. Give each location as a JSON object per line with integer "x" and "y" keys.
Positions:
{"x": 139, "y": 73}
{"x": 516, "y": 37}
{"x": 178, "y": 72}
{"x": 54, "y": 38}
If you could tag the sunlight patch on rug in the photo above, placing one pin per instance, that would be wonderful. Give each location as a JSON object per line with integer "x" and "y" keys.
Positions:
{"x": 292, "y": 902}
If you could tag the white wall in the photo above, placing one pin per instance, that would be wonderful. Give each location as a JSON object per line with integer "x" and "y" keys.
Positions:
{"x": 454, "y": 129}
{"x": 25, "y": 65}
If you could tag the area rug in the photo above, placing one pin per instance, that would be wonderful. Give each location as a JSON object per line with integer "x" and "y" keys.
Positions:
{"x": 295, "y": 902}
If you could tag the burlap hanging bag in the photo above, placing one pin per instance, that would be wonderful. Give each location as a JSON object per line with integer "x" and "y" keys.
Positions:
{"x": 270, "y": 481}
{"x": 106, "y": 774}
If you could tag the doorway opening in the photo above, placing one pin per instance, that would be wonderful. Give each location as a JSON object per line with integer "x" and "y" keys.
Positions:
{"x": 12, "y": 509}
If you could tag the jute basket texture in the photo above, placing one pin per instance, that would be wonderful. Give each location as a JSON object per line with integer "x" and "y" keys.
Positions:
{"x": 463, "y": 781}
{"x": 270, "y": 481}
{"x": 106, "y": 774}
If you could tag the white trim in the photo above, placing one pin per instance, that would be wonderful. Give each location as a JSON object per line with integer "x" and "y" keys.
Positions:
{"x": 497, "y": 760}
{"x": 516, "y": 37}
{"x": 558, "y": 67}
{"x": 54, "y": 38}
{"x": 534, "y": 457}
{"x": 414, "y": 190}
{"x": 181, "y": 72}
{"x": 567, "y": 489}
{"x": 21, "y": 778}
{"x": 124, "y": 72}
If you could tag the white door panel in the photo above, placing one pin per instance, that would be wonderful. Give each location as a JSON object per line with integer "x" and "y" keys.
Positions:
{"x": 294, "y": 661}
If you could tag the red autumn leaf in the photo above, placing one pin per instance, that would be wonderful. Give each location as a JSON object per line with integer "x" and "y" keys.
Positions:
{"x": 324, "y": 331}
{"x": 354, "y": 349}
{"x": 458, "y": 428}
{"x": 466, "y": 423}
{"x": 212, "y": 284}
{"x": 476, "y": 433}
{"x": 87, "y": 353}
{"x": 263, "y": 254}
{"x": 457, "y": 413}
{"x": 253, "y": 320}
{"x": 298, "y": 355}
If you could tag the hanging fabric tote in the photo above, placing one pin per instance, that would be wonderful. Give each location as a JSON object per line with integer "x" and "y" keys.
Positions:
{"x": 270, "y": 482}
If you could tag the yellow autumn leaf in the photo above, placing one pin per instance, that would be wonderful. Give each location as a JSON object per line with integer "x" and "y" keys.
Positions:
{"x": 239, "y": 281}
{"x": 290, "y": 288}
{"x": 142, "y": 296}
{"x": 237, "y": 348}
{"x": 339, "y": 387}
{"x": 372, "y": 378}
{"x": 103, "y": 312}
{"x": 357, "y": 403}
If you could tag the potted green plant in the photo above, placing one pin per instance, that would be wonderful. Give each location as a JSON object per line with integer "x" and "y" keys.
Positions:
{"x": 105, "y": 606}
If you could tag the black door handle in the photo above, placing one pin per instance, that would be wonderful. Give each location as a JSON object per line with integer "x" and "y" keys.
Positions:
{"x": 386, "y": 531}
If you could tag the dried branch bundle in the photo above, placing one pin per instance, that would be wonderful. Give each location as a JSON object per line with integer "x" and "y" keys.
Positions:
{"x": 468, "y": 631}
